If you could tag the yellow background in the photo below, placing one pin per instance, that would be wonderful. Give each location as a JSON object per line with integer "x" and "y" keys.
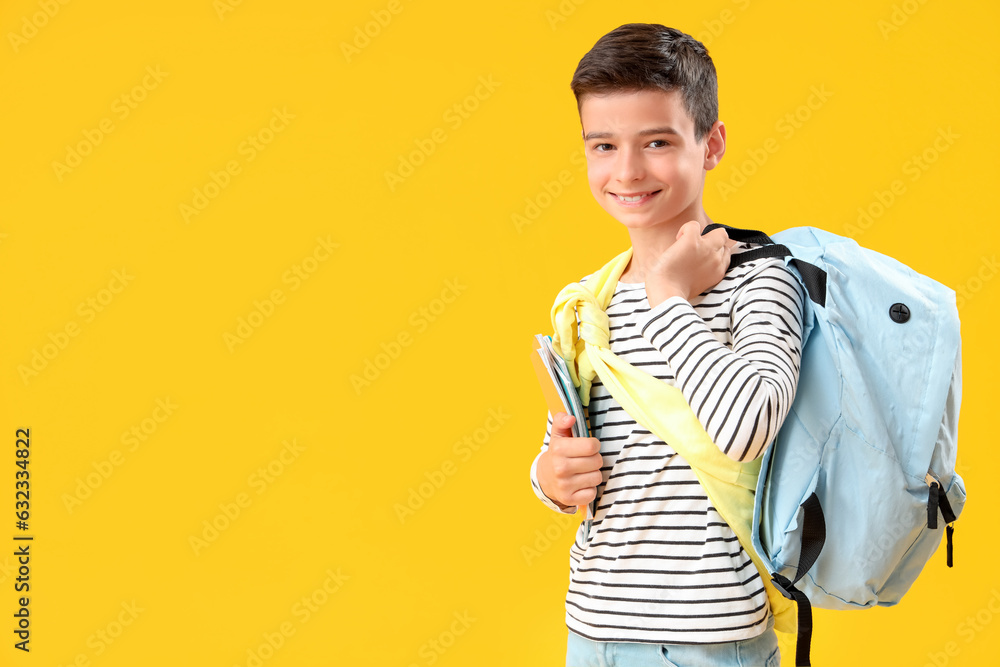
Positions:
{"x": 475, "y": 574}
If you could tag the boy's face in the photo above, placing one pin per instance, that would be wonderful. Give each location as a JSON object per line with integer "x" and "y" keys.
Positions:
{"x": 644, "y": 164}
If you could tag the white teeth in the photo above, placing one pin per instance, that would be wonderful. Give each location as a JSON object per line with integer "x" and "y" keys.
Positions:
{"x": 630, "y": 199}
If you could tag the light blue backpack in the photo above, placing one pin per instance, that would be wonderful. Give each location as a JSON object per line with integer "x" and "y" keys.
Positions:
{"x": 855, "y": 490}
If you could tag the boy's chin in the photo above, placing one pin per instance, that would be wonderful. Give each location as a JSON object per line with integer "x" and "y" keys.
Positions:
{"x": 638, "y": 222}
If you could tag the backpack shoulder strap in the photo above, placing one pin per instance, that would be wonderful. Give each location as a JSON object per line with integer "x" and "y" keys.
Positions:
{"x": 813, "y": 278}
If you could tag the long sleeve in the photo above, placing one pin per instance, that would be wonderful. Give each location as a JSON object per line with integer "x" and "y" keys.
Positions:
{"x": 740, "y": 387}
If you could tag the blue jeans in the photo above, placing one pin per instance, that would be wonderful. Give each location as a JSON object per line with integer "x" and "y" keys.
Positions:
{"x": 760, "y": 651}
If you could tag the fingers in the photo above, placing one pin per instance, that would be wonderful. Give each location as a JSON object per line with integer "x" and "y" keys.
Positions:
{"x": 562, "y": 425}
{"x": 690, "y": 228}
{"x": 581, "y": 488}
{"x": 573, "y": 455}
{"x": 585, "y": 453}
{"x": 721, "y": 245}
{"x": 717, "y": 236}
{"x": 690, "y": 232}
{"x": 580, "y": 465}
{"x": 725, "y": 252}
{"x": 569, "y": 471}
{"x": 583, "y": 497}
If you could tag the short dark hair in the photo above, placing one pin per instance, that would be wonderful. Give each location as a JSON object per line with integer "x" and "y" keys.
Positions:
{"x": 647, "y": 56}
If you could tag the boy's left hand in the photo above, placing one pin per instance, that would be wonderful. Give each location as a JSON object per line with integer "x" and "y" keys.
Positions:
{"x": 692, "y": 264}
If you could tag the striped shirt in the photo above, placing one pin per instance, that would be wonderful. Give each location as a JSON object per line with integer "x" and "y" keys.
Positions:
{"x": 660, "y": 565}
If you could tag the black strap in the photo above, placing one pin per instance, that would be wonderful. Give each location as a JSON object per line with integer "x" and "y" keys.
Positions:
{"x": 813, "y": 535}
{"x": 774, "y": 250}
{"x": 813, "y": 539}
{"x": 741, "y": 235}
{"x": 946, "y": 511}
{"x": 813, "y": 277}
{"x": 933, "y": 499}
{"x": 803, "y": 639}
{"x": 937, "y": 498}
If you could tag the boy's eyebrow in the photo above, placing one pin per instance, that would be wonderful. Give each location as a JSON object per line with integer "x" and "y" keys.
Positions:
{"x": 659, "y": 130}
{"x": 641, "y": 133}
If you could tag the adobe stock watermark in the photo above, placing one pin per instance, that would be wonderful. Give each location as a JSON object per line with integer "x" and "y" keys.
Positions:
{"x": 132, "y": 439}
{"x": 365, "y": 33}
{"x": 887, "y": 542}
{"x": 420, "y": 320}
{"x": 913, "y": 168}
{"x": 463, "y": 450}
{"x": 786, "y": 126}
{"x": 974, "y": 284}
{"x": 454, "y": 117}
{"x": 121, "y": 108}
{"x": 30, "y": 25}
{"x": 960, "y": 467}
{"x": 7, "y": 568}
{"x": 294, "y": 277}
{"x": 302, "y": 611}
{"x": 58, "y": 341}
{"x": 102, "y": 639}
{"x": 259, "y": 481}
{"x": 967, "y": 630}
{"x": 433, "y": 649}
{"x": 898, "y": 17}
{"x": 248, "y": 150}
{"x": 545, "y": 538}
{"x": 548, "y": 192}
{"x": 895, "y": 536}
{"x": 223, "y": 7}
{"x": 562, "y": 12}
{"x": 716, "y": 26}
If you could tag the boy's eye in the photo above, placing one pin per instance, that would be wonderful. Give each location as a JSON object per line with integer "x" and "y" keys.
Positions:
{"x": 603, "y": 148}
{"x": 657, "y": 143}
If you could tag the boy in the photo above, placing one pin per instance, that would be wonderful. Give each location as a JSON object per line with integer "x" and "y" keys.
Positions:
{"x": 660, "y": 577}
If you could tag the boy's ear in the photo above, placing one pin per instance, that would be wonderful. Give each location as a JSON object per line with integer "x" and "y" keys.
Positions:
{"x": 715, "y": 145}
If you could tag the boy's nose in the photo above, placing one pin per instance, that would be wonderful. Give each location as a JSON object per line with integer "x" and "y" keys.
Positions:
{"x": 628, "y": 166}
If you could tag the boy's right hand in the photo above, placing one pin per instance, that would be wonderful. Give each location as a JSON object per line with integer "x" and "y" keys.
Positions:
{"x": 569, "y": 471}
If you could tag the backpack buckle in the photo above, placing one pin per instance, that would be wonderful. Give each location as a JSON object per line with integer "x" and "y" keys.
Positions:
{"x": 783, "y": 584}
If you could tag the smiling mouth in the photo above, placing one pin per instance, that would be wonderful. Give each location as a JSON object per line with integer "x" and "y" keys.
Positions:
{"x": 635, "y": 198}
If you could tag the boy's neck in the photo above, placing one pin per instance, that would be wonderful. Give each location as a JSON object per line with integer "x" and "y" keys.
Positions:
{"x": 649, "y": 243}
